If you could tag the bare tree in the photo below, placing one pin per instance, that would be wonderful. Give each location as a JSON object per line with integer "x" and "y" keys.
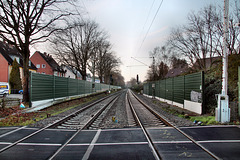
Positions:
{"x": 77, "y": 44}
{"x": 110, "y": 65}
{"x": 202, "y": 37}
{"x": 24, "y": 23}
{"x": 103, "y": 52}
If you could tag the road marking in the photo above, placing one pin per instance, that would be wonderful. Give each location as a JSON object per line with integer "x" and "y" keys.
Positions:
{"x": 172, "y": 142}
{"x": 90, "y": 148}
{"x": 108, "y": 144}
{"x": 12, "y": 131}
{"x": 38, "y": 144}
{"x": 213, "y": 126}
{"x": 220, "y": 141}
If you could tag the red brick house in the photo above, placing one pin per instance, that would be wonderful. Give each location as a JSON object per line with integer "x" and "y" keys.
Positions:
{"x": 46, "y": 64}
{"x": 7, "y": 54}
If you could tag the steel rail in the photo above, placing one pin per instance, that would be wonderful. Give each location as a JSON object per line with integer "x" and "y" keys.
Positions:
{"x": 57, "y": 122}
{"x": 175, "y": 127}
{"x": 90, "y": 121}
{"x": 150, "y": 143}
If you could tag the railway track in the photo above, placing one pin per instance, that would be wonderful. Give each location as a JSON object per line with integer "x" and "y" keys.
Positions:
{"x": 91, "y": 117}
{"x": 93, "y": 111}
{"x": 146, "y": 117}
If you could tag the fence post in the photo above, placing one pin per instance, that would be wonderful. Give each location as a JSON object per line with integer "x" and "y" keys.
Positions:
{"x": 68, "y": 87}
{"x": 203, "y": 92}
{"x": 184, "y": 89}
{"x": 239, "y": 91}
{"x": 54, "y": 86}
{"x": 30, "y": 96}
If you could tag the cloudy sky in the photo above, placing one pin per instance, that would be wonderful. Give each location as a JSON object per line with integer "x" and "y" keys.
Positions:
{"x": 128, "y": 22}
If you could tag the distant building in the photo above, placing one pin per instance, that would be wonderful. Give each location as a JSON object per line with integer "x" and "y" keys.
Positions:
{"x": 71, "y": 72}
{"x": 46, "y": 64}
{"x": 176, "y": 72}
{"x": 7, "y": 55}
{"x": 206, "y": 63}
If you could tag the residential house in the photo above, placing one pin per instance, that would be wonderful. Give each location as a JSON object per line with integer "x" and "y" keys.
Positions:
{"x": 206, "y": 63}
{"x": 174, "y": 72}
{"x": 46, "y": 64}
{"x": 7, "y": 55}
{"x": 71, "y": 72}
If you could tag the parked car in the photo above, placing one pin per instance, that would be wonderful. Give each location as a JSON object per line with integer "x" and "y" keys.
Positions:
{"x": 20, "y": 91}
{"x": 4, "y": 89}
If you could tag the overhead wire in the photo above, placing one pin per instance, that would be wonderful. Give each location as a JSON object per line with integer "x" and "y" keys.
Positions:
{"x": 147, "y": 17}
{"x": 151, "y": 24}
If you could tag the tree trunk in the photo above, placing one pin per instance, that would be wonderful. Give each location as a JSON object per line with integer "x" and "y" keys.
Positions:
{"x": 26, "y": 75}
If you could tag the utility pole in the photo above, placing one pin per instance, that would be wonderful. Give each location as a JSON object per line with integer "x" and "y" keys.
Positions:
{"x": 223, "y": 110}
{"x": 154, "y": 71}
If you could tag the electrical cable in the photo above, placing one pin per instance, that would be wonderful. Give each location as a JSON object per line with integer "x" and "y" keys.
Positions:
{"x": 151, "y": 24}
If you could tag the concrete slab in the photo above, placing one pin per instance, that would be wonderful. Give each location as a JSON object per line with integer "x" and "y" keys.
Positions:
{"x": 121, "y": 136}
{"x": 28, "y": 152}
{"x": 4, "y": 130}
{"x": 223, "y": 141}
{"x": 122, "y": 143}
{"x": 226, "y": 151}
{"x": 84, "y": 137}
{"x": 178, "y": 151}
{"x": 166, "y": 134}
{"x": 213, "y": 133}
{"x": 120, "y": 152}
{"x": 72, "y": 152}
{"x": 50, "y": 137}
{"x": 17, "y": 135}
{"x": 2, "y": 145}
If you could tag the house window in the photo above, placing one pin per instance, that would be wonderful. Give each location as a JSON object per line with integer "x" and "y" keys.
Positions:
{"x": 43, "y": 73}
{"x": 43, "y": 65}
{"x": 38, "y": 65}
{"x": 29, "y": 63}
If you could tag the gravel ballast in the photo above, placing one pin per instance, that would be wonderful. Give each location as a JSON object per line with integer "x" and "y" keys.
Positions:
{"x": 118, "y": 111}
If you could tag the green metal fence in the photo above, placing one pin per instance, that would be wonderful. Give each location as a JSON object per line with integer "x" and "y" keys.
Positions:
{"x": 177, "y": 89}
{"x": 44, "y": 87}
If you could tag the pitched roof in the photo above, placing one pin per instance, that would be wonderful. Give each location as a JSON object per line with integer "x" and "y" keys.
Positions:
{"x": 73, "y": 70}
{"x": 8, "y": 50}
{"x": 48, "y": 58}
{"x": 176, "y": 72}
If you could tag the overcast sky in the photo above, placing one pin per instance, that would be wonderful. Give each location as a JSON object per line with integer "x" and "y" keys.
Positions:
{"x": 127, "y": 22}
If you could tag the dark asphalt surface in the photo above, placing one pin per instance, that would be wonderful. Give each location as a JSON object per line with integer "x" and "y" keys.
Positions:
{"x": 223, "y": 141}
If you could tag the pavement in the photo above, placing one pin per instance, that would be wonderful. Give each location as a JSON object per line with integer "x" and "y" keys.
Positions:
{"x": 18, "y": 96}
{"x": 128, "y": 143}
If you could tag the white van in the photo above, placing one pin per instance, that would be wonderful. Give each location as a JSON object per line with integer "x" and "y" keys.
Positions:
{"x": 4, "y": 88}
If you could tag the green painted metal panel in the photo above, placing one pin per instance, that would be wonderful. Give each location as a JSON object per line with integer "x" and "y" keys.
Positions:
{"x": 178, "y": 88}
{"x": 50, "y": 87}
{"x": 178, "y": 92}
{"x": 42, "y": 87}
{"x": 72, "y": 87}
{"x": 146, "y": 88}
{"x": 61, "y": 87}
{"x": 193, "y": 82}
{"x": 162, "y": 89}
{"x": 81, "y": 87}
{"x": 169, "y": 89}
{"x": 157, "y": 88}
